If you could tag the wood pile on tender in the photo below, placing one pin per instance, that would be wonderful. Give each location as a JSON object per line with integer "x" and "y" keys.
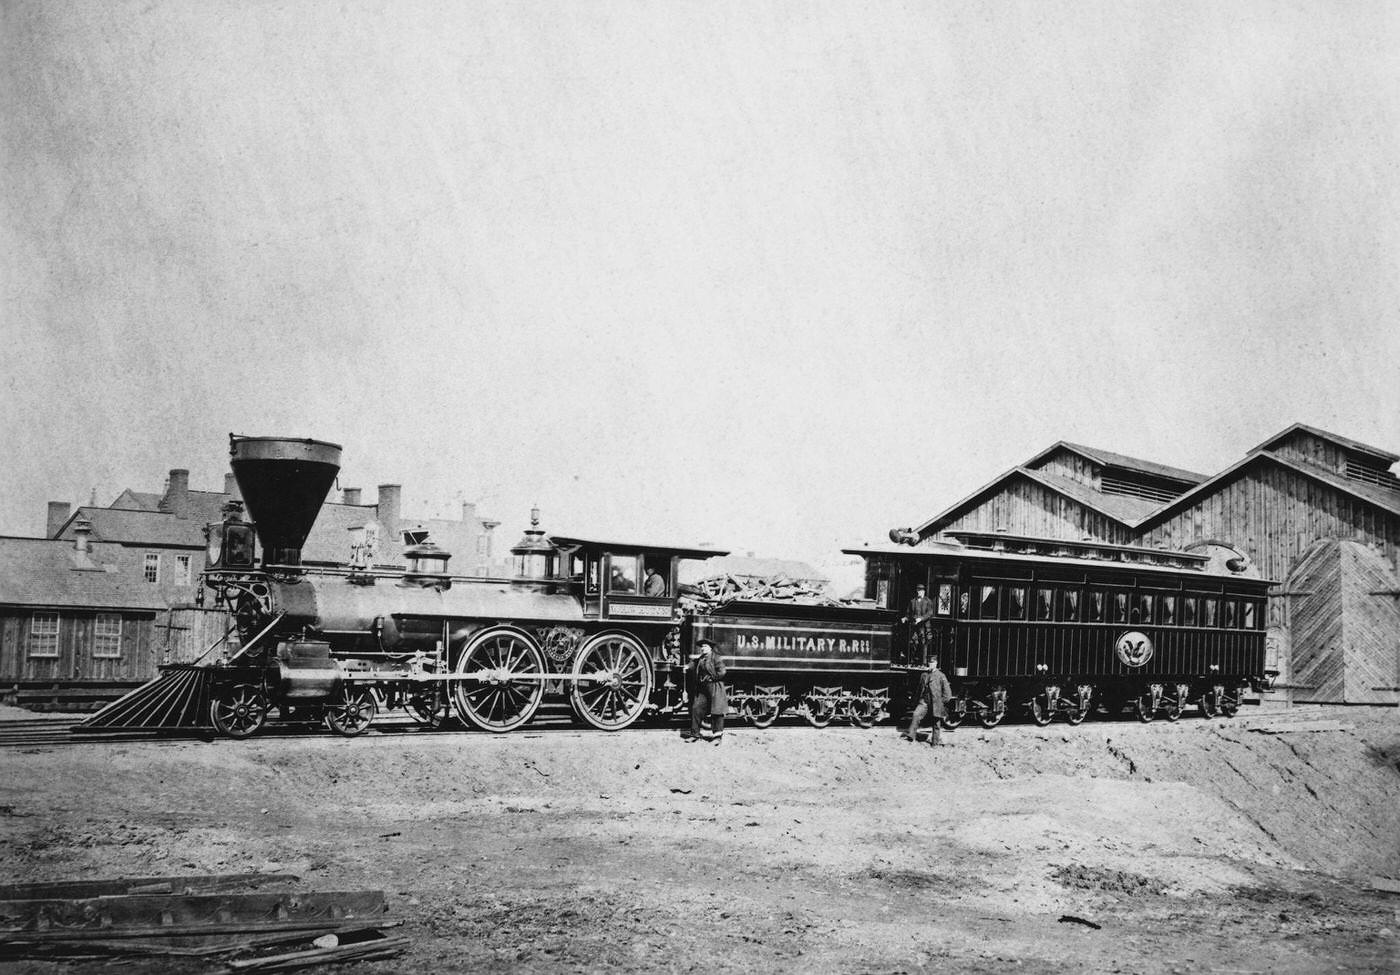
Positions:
{"x": 718, "y": 590}
{"x": 221, "y": 922}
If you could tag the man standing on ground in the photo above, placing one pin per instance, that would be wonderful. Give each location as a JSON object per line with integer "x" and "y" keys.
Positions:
{"x": 710, "y": 697}
{"x": 934, "y": 692}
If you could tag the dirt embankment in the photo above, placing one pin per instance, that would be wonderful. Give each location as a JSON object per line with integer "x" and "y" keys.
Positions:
{"x": 1193, "y": 846}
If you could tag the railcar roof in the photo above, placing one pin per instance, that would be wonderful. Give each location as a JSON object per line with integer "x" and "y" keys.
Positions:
{"x": 1015, "y": 558}
{"x": 614, "y": 545}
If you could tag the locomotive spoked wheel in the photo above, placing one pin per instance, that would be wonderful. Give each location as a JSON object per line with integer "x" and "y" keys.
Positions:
{"x": 502, "y": 689}
{"x": 612, "y": 682}
{"x": 239, "y": 711}
{"x": 819, "y": 712}
{"x": 759, "y": 713}
{"x": 351, "y": 710}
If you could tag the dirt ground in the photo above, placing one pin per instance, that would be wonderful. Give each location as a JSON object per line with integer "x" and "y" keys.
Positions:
{"x": 1196, "y": 847}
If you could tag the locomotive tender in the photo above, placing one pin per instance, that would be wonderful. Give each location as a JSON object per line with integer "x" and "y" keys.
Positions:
{"x": 1046, "y": 626}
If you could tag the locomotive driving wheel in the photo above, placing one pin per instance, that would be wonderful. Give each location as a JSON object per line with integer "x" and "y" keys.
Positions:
{"x": 501, "y": 686}
{"x": 351, "y": 710}
{"x": 612, "y": 682}
{"x": 239, "y": 710}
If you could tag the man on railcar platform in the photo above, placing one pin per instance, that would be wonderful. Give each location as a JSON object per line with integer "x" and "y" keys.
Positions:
{"x": 710, "y": 697}
{"x": 934, "y": 692}
{"x": 918, "y": 616}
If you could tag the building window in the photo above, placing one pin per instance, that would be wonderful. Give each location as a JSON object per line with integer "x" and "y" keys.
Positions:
{"x": 182, "y": 570}
{"x": 43, "y": 635}
{"x": 152, "y": 568}
{"x": 107, "y": 635}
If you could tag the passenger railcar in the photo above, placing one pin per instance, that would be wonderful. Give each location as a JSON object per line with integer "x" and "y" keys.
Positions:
{"x": 1061, "y": 627}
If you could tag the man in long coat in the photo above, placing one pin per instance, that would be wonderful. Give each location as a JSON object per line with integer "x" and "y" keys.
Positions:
{"x": 918, "y": 616}
{"x": 934, "y": 692}
{"x": 709, "y": 698}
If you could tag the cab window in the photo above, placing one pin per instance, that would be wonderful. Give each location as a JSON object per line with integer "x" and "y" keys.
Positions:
{"x": 622, "y": 573}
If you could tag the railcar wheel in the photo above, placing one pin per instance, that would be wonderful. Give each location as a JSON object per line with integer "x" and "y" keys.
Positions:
{"x": 990, "y": 716}
{"x": 1177, "y": 707}
{"x": 952, "y": 717}
{"x": 1040, "y": 710}
{"x": 760, "y": 714}
{"x": 612, "y": 682}
{"x": 239, "y": 711}
{"x": 351, "y": 711}
{"x": 862, "y": 713}
{"x": 1143, "y": 707}
{"x": 818, "y": 712}
{"x": 501, "y": 683}
{"x": 1207, "y": 704}
{"x": 1229, "y": 706}
{"x": 1077, "y": 714}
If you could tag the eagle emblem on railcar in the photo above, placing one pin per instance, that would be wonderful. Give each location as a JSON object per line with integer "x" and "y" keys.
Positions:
{"x": 1134, "y": 648}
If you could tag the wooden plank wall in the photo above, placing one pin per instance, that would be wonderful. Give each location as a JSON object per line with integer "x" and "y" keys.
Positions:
{"x": 75, "y": 643}
{"x": 1304, "y": 446}
{"x": 184, "y": 633}
{"x": 1370, "y": 627}
{"x": 1316, "y": 638}
{"x": 1027, "y": 508}
{"x": 1069, "y": 464}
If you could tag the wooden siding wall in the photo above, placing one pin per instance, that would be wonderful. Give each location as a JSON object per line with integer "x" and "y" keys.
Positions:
{"x": 1301, "y": 445}
{"x": 1069, "y": 464}
{"x": 185, "y": 632}
{"x": 1027, "y": 508}
{"x": 75, "y": 641}
{"x": 1274, "y": 514}
{"x": 1371, "y": 627}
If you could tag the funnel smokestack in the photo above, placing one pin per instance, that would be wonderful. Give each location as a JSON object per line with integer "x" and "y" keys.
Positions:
{"x": 283, "y": 481}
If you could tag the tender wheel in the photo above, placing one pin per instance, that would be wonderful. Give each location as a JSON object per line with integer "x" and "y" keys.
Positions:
{"x": 819, "y": 712}
{"x": 1040, "y": 710}
{"x": 351, "y": 711}
{"x": 427, "y": 705}
{"x": 990, "y": 717}
{"x": 862, "y": 713}
{"x": 502, "y": 688}
{"x": 760, "y": 713}
{"x": 1143, "y": 707}
{"x": 239, "y": 711}
{"x": 612, "y": 682}
{"x": 1207, "y": 704}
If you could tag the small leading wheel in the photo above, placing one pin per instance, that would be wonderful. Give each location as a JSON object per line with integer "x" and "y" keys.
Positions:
{"x": 819, "y": 710}
{"x": 1207, "y": 703}
{"x": 239, "y": 711}
{"x": 427, "y": 705}
{"x": 612, "y": 682}
{"x": 1144, "y": 709}
{"x": 759, "y": 712}
{"x": 351, "y": 710}
{"x": 1040, "y": 710}
{"x": 501, "y": 683}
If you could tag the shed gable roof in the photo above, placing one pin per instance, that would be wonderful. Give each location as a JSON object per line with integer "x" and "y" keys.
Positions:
{"x": 1336, "y": 438}
{"x": 1108, "y": 458}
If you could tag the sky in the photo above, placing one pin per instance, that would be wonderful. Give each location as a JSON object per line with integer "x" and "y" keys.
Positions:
{"x": 772, "y": 276}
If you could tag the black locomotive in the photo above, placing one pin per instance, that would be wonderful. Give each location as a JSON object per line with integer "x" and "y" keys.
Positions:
{"x": 1051, "y": 626}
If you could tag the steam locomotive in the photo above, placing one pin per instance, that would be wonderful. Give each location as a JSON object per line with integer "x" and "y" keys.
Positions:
{"x": 1045, "y": 626}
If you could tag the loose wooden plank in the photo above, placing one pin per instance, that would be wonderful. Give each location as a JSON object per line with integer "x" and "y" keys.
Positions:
{"x": 378, "y": 948}
{"x": 192, "y": 884}
{"x": 161, "y": 911}
{"x": 1301, "y": 728}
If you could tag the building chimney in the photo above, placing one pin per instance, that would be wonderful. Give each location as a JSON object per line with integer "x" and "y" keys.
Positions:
{"x": 350, "y": 496}
{"x": 58, "y": 517}
{"x": 82, "y": 534}
{"x": 231, "y": 486}
{"x": 387, "y": 511}
{"x": 177, "y": 493}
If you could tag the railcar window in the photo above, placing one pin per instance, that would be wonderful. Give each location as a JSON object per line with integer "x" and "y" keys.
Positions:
{"x": 987, "y": 608}
{"x": 1044, "y": 604}
{"x": 1250, "y": 616}
{"x": 1188, "y": 611}
{"x": 945, "y": 599}
{"x": 964, "y": 600}
{"x": 1015, "y": 603}
{"x": 882, "y": 593}
{"x": 1232, "y": 614}
{"x": 1070, "y": 606}
{"x": 1168, "y": 610}
{"x": 1208, "y": 612}
{"x": 1142, "y": 608}
{"x": 1096, "y": 606}
{"x": 1120, "y": 607}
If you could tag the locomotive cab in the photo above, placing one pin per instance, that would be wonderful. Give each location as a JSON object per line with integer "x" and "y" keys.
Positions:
{"x": 618, "y": 581}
